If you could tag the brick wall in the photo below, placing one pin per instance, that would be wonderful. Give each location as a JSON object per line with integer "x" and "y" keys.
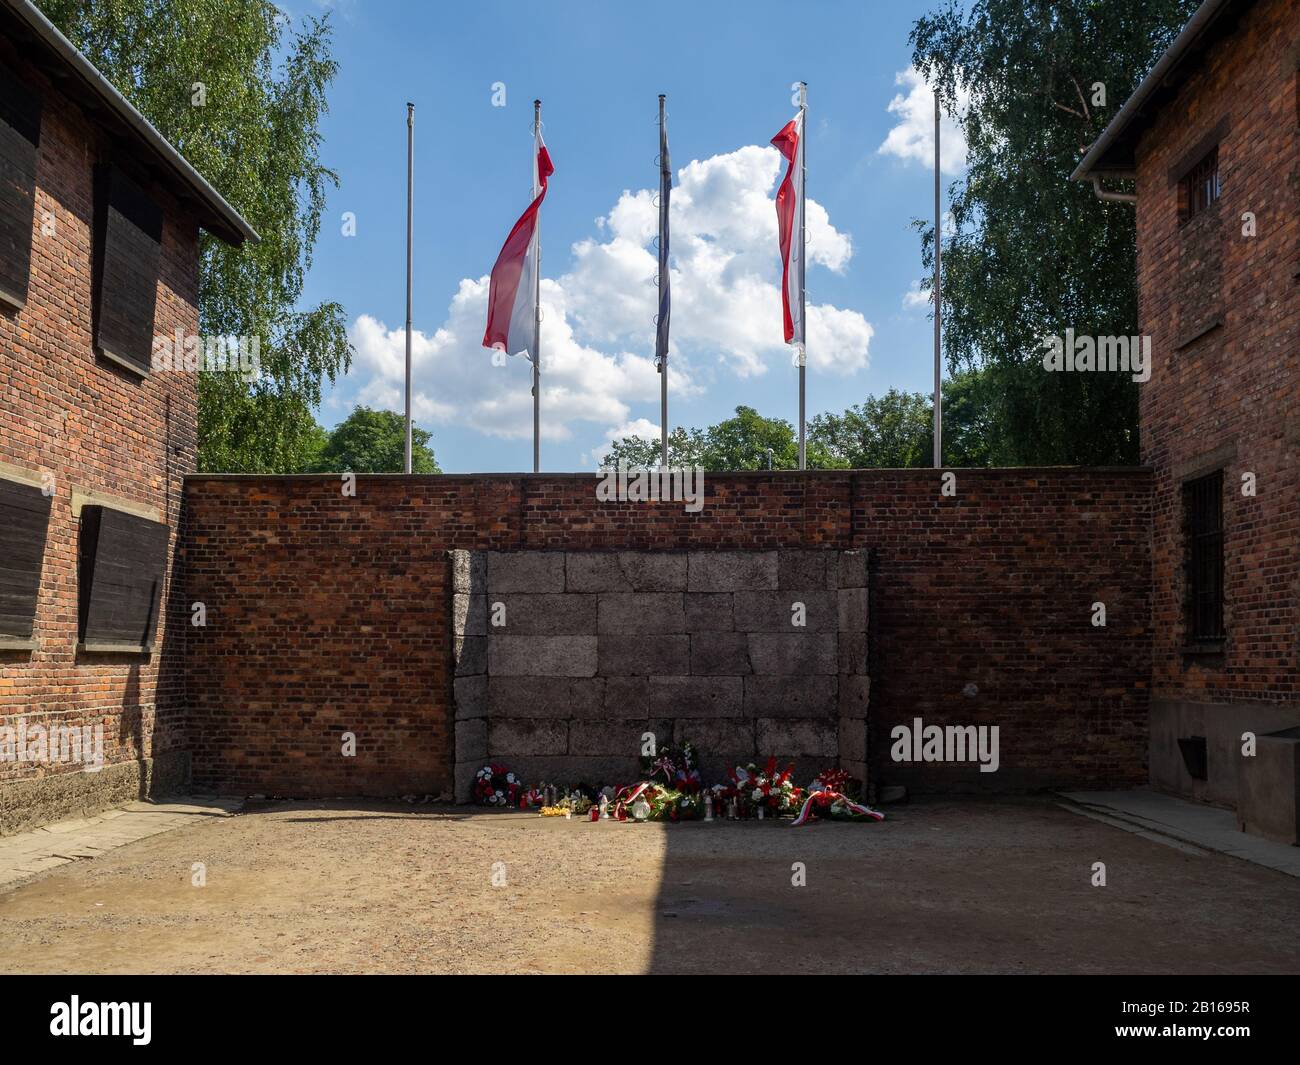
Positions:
{"x": 95, "y": 428}
{"x": 981, "y": 608}
{"x": 1228, "y": 398}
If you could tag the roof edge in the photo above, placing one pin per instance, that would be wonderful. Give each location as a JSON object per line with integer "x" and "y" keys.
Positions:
{"x": 231, "y": 225}
{"x": 1200, "y": 21}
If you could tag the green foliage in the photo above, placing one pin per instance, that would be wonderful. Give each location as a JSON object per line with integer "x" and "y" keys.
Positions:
{"x": 892, "y": 431}
{"x": 738, "y": 443}
{"x": 1034, "y": 253}
{"x": 256, "y": 139}
{"x": 371, "y": 441}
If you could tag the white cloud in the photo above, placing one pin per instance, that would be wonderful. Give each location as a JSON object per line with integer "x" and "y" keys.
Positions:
{"x": 912, "y": 137}
{"x": 598, "y": 318}
{"x": 914, "y": 299}
{"x": 642, "y": 427}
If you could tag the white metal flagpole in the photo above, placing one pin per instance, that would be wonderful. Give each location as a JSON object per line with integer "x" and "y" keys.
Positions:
{"x": 803, "y": 272}
{"x": 410, "y": 174}
{"x": 938, "y": 302}
{"x": 537, "y": 299}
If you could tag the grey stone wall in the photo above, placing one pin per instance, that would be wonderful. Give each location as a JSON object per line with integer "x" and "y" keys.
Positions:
{"x": 564, "y": 659}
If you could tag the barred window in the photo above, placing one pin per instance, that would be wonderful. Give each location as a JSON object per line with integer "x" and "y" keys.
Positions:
{"x": 1203, "y": 515}
{"x": 1201, "y": 186}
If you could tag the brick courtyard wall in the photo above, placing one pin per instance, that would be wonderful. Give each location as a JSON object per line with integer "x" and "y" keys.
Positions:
{"x": 1223, "y": 312}
{"x": 99, "y": 433}
{"x": 330, "y": 613}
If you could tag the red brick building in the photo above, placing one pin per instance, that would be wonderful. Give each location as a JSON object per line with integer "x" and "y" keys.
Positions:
{"x": 1212, "y": 139}
{"x": 99, "y": 253}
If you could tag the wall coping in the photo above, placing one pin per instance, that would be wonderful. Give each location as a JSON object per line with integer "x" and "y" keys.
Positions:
{"x": 925, "y": 471}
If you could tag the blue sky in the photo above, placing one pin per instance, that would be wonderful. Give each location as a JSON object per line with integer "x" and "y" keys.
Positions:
{"x": 727, "y": 69}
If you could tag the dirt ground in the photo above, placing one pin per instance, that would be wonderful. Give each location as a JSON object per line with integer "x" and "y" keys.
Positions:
{"x": 952, "y": 886}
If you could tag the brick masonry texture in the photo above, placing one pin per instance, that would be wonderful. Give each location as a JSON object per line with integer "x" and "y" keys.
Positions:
{"x": 980, "y": 608}
{"x": 1229, "y": 399}
{"x": 94, "y": 428}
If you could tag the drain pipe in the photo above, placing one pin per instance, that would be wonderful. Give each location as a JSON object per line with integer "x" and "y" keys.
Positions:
{"x": 1113, "y": 197}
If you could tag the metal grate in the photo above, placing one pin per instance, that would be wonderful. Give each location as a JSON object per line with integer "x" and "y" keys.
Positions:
{"x": 1201, "y": 186}
{"x": 1203, "y": 510}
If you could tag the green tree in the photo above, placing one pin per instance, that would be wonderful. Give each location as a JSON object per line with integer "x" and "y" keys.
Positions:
{"x": 374, "y": 441}
{"x": 896, "y": 430}
{"x": 256, "y": 138}
{"x": 1033, "y": 253}
{"x": 890, "y": 431}
{"x": 740, "y": 442}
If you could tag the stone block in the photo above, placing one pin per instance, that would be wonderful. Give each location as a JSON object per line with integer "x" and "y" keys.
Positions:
{"x": 526, "y": 736}
{"x": 790, "y": 697}
{"x": 696, "y": 697}
{"x": 853, "y": 610}
{"x": 852, "y": 739}
{"x": 544, "y": 696}
{"x": 542, "y": 656}
{"x": 793, "y": 654}
{"x": 471, "y": 694}
{"x": 587, "y": 697}
{"x": 729, "y": 739}
{"x": 641, "y": 613}
{"x": 468, "y": 572}
{"x": 720, "y": 654}
{"x": 547, "y": 614}
{"x": 624, "y": 656}
{"x": 471, "y": 740}
{"x": 569, "y": 770}
{"x": 774, "y": 611}
{"x": 788, "y": 738}
{"x": 525, "y": 571}
{"x": 805, "y": 569}
{"x": 468, "y": 614}
{"x": 708, "y": 612}
{"x": 626, "y": 697}
{"x": 620, "y": 738}
{"x": 625, "y": 571}
{"x": 851, "y": 569}
{"x": 853, "y": 651}
{"x": 731, "y": 571}
{"x": 470, "y": 654}
{"x": 855, "y": 696}
{"x": 465, "y": 773}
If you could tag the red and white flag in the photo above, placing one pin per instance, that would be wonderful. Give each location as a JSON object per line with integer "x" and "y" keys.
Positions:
{"x": 513, "y": 293}
{"x": 790, "y": 221}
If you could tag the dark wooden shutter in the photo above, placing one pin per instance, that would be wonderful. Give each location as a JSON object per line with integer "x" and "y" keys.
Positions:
{"x": 24, "y": 522}
{"x": 1203, "y": 517}
{"x": 120, "y": 578}
{"x": 20, "y": 137}
{"x": 128, "y": 249}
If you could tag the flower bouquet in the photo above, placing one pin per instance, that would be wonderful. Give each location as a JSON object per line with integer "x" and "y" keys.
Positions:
{"x": 829, "y": 798}
{"x": 677, "y": 768}
{"x": 766, "y": 789}
{"x": 495, "y": 785}
{"x": 648, "y": 801}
